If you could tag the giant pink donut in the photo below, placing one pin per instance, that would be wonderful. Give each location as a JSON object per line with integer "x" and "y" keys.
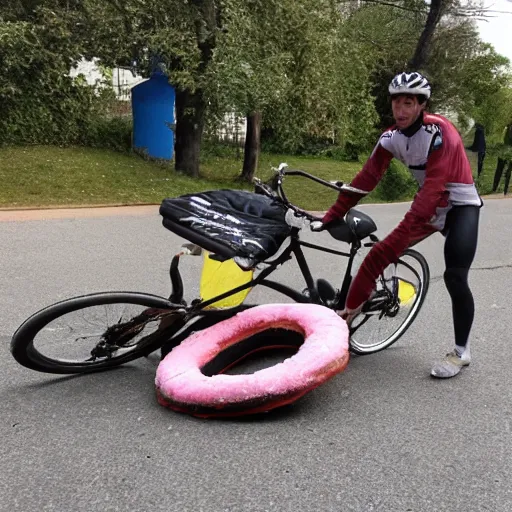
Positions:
{"x": 181, "y": 386}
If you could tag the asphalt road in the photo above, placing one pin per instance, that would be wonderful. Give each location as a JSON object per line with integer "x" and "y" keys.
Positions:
{"x": 381, "y": 436}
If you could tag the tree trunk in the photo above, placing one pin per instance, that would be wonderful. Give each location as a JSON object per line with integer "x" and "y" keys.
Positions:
{"x": 252, "y": 146}
{"x": 507, "y": 178}
{"x": 423, "y": 47}
{"x": 190, "y": 109}
{"x": 497, "y": 175}
{"x": 508, "y": 135}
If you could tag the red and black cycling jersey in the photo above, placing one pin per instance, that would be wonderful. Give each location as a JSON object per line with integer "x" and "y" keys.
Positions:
{"x": 433, "y": 151}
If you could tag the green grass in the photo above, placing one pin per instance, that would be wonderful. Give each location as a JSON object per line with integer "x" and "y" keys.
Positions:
{"x": 46, "y": 176}
{"x": 485, "y": 181}
{"x": 52, "y": 176}
{"x": 41, "y": 176}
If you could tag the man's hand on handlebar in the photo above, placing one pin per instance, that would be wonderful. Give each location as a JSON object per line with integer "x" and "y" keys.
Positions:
{"x": 317, "y": 225}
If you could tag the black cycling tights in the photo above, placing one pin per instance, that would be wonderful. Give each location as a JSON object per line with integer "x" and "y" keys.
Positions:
{"x": 461, "y": 231}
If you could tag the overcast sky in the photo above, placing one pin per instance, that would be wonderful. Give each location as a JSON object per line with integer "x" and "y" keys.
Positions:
{"x": 498, "y": 31}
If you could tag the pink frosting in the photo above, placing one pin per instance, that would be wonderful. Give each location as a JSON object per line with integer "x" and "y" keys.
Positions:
{"x": 324, "y": 353}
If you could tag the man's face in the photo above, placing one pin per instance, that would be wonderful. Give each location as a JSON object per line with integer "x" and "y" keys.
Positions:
{"x": 406, "y": 109}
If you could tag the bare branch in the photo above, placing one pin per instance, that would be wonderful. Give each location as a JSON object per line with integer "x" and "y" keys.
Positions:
{"x": 397, "y": 6}
{"x": 478, "y": 13}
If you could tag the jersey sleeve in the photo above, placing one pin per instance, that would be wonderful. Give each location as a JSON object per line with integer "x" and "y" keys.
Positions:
{"x": 366, "y": 179}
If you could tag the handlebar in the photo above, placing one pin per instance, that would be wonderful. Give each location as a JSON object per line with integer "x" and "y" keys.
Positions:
{"x": 339, "y": 186}
{"x": 275, "y": 188}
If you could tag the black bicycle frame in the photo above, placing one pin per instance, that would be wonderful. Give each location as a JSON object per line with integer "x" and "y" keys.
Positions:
{"x": 294, "y": 248}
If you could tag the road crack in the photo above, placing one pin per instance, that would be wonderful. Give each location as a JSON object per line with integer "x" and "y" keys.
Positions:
{"x": 473, "y": 269}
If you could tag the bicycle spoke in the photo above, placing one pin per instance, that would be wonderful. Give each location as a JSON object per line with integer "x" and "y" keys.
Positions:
{"x": 76, "y": 336}
{"x": 385, "y": 318}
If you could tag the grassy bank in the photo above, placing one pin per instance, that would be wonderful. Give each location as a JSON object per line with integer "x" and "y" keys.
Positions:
{"x": 485, "y": 181}
{"x": 52, "y": 176}
{"x": 43, "y": 176}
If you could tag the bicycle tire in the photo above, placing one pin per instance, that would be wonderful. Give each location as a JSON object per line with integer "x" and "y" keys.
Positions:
{"x": 359, "y": 349}
{"x": 25, "y": 350}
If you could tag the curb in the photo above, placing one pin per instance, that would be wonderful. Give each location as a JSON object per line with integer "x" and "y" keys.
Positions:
{"x": 17, "y": 215}
{"x": 74, "y": 207}
{"x": 12, "y": 214}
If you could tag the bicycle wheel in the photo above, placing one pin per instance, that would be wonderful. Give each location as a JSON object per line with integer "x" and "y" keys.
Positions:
{"x": 378, "y": 330}
{"x": 95, "y": 332}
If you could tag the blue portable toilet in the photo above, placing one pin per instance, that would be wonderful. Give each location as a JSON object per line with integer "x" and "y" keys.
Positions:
{"x": 153, "y": 115}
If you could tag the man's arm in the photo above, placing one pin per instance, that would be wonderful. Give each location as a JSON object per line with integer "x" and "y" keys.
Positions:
{"x": 366, "y": 179}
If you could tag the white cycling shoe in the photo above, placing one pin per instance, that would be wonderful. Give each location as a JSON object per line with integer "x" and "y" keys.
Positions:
{"x": 452, "y": 364}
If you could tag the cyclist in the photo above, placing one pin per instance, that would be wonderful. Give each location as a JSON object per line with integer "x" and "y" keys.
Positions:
{"x": 447, "y": 202}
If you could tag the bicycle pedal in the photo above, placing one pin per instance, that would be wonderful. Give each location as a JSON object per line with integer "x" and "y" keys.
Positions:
{"x": 325, "y": 290}
{"x": 374, "y": 304}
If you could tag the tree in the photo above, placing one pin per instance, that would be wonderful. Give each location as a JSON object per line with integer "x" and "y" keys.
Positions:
{"x": 179, "y": 37}
{"x": 420, "y": 57}
{"x": 297, "y": 79}
{"x": 462, "y": 69}
{"x": 388, "y": 37}
{"x": 249, "y": 67}
{"x": 220, "y": 56}
{"x": 40, "y": 103}
{"x": 327, "y": 96}
{"x": 191, "y": 102}
{"x": 495, "y": 114}
{"x": 252, "y": 146}
{"x": 310, "y": 79}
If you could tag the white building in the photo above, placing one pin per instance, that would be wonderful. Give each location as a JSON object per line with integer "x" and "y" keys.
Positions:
{"x": 122, "y": 80}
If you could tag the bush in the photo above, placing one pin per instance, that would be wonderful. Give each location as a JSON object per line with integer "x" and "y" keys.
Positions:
{"x": 311, "y": 146}
{"x": 213, "y": 147}
{"x": 347, "y": 154}
{"x": 496, "y": 114}
{"x": 112, "y": 133}
{"x": 40, "y": 103}
{"x": 396, "y": 184}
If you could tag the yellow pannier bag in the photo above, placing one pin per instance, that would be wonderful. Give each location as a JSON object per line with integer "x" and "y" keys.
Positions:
{"x": 219, "y": 277}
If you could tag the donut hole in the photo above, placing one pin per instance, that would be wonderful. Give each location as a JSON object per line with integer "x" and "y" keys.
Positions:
{"x": 259, "y": 351}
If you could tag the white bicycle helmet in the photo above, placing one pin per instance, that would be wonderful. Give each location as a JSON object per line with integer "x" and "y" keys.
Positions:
{"x": 410, "y": 83}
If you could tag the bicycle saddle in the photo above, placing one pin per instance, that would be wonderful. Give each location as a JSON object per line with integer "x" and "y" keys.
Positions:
{"x": 356, "y": 226}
